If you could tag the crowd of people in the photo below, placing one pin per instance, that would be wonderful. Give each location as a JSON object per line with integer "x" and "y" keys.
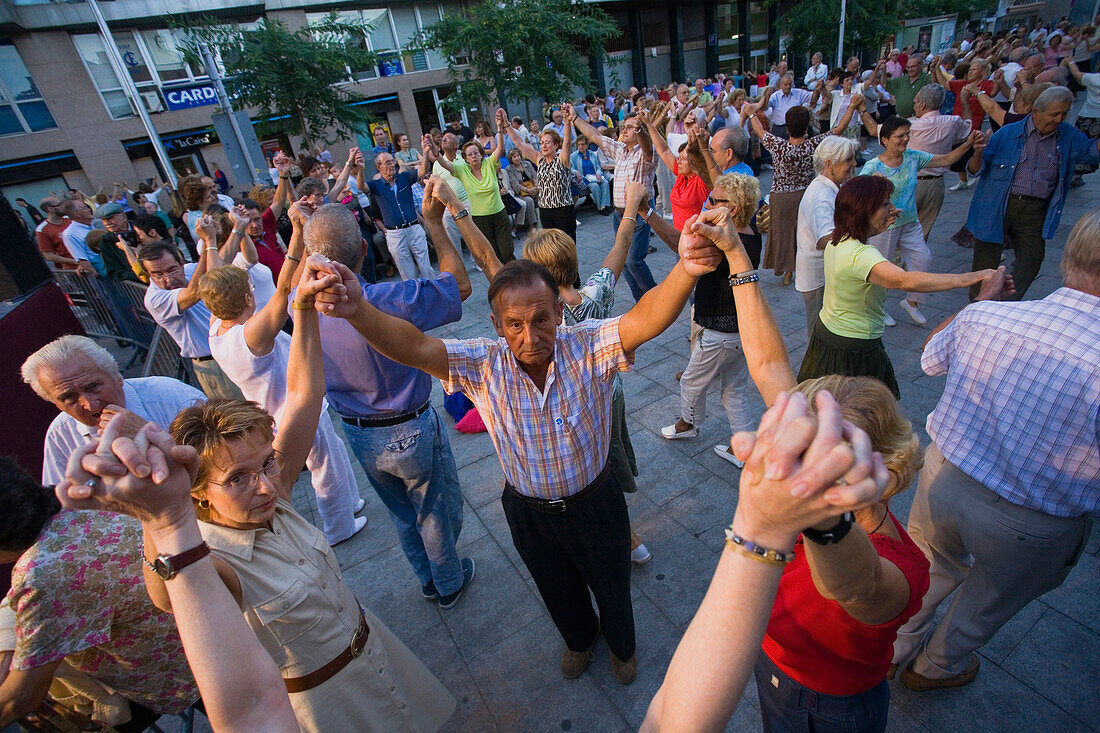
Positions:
{"x": 157, "y": 499}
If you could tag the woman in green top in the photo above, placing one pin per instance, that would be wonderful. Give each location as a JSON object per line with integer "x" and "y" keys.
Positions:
{"x": 847, "y": 338}
{"x": 478, "y": 173}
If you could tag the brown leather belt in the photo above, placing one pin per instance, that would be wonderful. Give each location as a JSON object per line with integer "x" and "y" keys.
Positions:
{"x": 316, "y": 677}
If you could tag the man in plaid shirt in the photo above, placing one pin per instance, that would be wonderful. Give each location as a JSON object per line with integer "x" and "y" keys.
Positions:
{"x": 544, "y": 391}
{"x": 1004, "y": 502}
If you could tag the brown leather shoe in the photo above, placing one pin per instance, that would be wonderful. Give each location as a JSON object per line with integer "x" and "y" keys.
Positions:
{"x": 920, "y": 683}
{"x": 573, "y": 663}
{"x": 624, "y": 671}
{"x": 892, "y": 672}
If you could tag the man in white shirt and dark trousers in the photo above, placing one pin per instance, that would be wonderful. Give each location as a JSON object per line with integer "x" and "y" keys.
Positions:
{"x": 778, "y": 101}
{"x": 937, "y": 134}
{"x": 1010, "y": 484}
{"x": 817, "y": 71}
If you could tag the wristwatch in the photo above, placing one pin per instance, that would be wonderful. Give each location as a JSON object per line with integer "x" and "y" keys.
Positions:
{"x": 828, "y": 536}
{"x": 462, "y": 214}
{"x": 168, "y": 566}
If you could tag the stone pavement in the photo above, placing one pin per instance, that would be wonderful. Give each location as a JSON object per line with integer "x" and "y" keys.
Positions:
{"x": 498, "y": 651}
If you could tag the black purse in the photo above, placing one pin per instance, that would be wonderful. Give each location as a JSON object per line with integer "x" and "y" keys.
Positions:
{"x": 510, "y": 204}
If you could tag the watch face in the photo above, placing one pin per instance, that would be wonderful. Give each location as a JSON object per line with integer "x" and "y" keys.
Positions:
{"x": 162, "y": 568}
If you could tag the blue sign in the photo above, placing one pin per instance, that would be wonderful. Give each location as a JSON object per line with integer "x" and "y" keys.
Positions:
{"x": 390, "y": 65}
{"x": 187, "y": 97}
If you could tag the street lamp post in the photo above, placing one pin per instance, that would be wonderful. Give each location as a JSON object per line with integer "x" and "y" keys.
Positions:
{"x": 840, "y": 36}
{"x": 131, "y": 91}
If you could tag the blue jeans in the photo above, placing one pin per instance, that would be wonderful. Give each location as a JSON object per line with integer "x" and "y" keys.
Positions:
{"x": 788, "y": 707}
{"x": 636, "y": 271}
{"x": 411, "y": 468}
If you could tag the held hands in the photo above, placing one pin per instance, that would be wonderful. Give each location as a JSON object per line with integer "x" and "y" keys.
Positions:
{"x": 239, "y": 217}
{"x": 340, "y": 297}
{"x": 996, "y": 285}
{"x": 428, "y": 146}
{"x": 299, "y": 212}
{"x": 281, "y": 163}
{"x": 131, "y": 423}
{"x": 802, "y": 472}
{"x": 698, "y": 253}
{"x": 568, "y": 113}
{"x": 83, "y": 267}
{"x": 207, "y": 229}
{"x": 317, "y": 276}
{"x": 147, "y": 476}
{"x": 433, "y": 207}
{"x": 353, "y": 155}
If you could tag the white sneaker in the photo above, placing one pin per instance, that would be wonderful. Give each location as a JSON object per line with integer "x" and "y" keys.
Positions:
{"x": 889, "y": 321}
{"x": 360, "y": 522}
{"x": 960, "y": 186}
{"x": 970, "y": 183}
{"x": 913, "y": 311}
{"x": 723, "y": 451}
{"x": 669, "y": 433}
{"x": 640, "y": 555}
{"x": 360, "y": 504}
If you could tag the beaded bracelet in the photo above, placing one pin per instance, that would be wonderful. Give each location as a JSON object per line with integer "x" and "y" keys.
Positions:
{"x": 743, "y": 278}
{"x": 756, "y": 552}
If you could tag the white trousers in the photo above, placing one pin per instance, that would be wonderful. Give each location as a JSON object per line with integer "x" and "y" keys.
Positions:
{"x": 409, "y": 249}
{"x": 333, "y": 481}
{"x": 716, "y": 355}
{"x": 915, "y": 255}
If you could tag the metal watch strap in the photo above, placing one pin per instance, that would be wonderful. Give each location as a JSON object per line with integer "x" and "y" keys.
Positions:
{"x": 168, "y": 566}
{"x": 462, "y": 214}
{"x": 834, "y": 534}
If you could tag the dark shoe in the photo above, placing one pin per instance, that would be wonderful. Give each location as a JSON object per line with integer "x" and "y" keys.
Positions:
{"x": 892, "y": 672}
{"x": 920, "y": 683}
{"x": 1077, "y": 181}
{"x": 652, "y": 249}
{"x": 429, "y": 591}
{"x": 449, "y": 600}
{"x": 625, "y": 672}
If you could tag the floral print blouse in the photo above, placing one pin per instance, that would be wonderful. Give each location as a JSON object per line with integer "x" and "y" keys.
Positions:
{"x": 792, "y": 165}
{"x": 79, "y": 595}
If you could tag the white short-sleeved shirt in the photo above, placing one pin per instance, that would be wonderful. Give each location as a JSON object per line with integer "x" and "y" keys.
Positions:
{"x": 156, "y": 399}
{"x": 189, "y": 327}
{"x": 1091, "y": 107}
{"x": 262, "y": 379}
{"x": 259, "y": 276}
{"x": 815, "y": 220}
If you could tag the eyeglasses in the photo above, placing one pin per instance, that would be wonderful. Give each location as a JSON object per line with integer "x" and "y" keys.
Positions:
{"x": 711, "y": 201}
{"x": 242, "y": 482}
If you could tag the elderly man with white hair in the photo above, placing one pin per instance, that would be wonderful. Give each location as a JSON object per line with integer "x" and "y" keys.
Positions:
{"x": 817, "y": 71}
{"x": 834, "y": 161}
{"x": 82, "y": 379}
{"x": 937, "y": 134}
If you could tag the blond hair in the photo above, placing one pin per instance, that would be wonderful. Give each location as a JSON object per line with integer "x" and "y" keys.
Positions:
{"x": 743, "y": 192}
{"x": 1081, "y": 256}
{"x": 554, "y": 250}
{"x": 868, "y": 404}
{"x": 209, "y": 426}
{"x": 225, "y": 291}
{"x": 262, "y": 195}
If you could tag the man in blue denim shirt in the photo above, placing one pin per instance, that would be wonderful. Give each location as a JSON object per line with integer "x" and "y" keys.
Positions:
{"x": 1025, "y": 172}
{"x": 388, "y": 419}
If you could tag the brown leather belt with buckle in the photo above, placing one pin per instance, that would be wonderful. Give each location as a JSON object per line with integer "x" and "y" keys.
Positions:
{"x": 318, "y": 676}
{"x": 558, "y": 506}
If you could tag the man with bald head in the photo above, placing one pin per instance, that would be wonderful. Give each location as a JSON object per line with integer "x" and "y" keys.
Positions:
{"x": 392, "y": 192}
{"x": 817, "y": 71}
{"x": 391, "y": 427}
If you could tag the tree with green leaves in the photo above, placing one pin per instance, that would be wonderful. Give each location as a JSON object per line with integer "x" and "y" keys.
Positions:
{"x": 520, "y": 50}
{"x": 812, "y": 24}
{"x": 293, "y": 77}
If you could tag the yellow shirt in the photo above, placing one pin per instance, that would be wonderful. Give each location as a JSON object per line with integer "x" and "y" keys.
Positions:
{"x": 852, "y": 306}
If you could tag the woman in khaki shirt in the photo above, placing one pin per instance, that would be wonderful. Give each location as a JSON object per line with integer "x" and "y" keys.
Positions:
{"x": 344, "y": 670}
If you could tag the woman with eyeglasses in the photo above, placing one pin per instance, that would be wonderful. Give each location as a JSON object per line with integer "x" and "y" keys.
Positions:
{"x": 344, "y": 670}
{"x": 717, "y": 353}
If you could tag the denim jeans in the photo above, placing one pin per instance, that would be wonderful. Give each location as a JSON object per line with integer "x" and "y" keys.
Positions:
{"x": 411, "y": 468}
{"x": 788, "y": 707}
{"x": 636, "y": 271}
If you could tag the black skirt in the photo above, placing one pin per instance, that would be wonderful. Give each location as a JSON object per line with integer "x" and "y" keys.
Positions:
{"x": 828, "y": 353}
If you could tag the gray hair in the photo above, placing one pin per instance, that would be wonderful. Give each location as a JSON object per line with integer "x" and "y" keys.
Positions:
{"x": 736, "y": 141}
{"x": 63, "y": 350}
{"x": 787, "y": 75}
{"x": 1018, "y": 54}
{"x": 1054, "y": 95}
{"x": 333, "y": 232}
{"x": 1081, "y": 256}
{"x": 834, "y": 149}
{"x": 931, "y": 96}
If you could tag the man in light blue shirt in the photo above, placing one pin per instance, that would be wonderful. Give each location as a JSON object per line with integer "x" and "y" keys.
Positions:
{"x": 82, "y": 379}
{"x": 777, "y": 102}
{"x": 74, "y": 235}
{"x": 730, "y": 147}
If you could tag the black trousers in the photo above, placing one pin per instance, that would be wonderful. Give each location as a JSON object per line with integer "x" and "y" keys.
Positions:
{"x": 586, "y": 547}
{"x": 497, "y": 228}
{"x": 560, "y": 217}
{"x": 1024, "y": 223}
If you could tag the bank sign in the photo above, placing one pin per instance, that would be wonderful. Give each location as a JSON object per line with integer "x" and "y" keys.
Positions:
{"x": 187, "y": 97}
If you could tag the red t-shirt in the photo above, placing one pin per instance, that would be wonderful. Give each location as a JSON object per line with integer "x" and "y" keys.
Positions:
{"x": 977, "y": 114}
{"x": 903, "y": 59}
{"x": 268, "y": 250}
{"x": 816, "y": 643}
{"x": 48, "y": 238}
{"x": 687, "y": 197}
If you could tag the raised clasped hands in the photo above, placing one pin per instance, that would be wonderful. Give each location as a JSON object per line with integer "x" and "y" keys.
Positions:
{"x": 299, "y": 212}
{"x": 699, "y": 253}
{"x": 803, "y": 471}
{"x": 432, "y": 206}
{"x": 145, "y": 475}
{"x": 334, "y": 287}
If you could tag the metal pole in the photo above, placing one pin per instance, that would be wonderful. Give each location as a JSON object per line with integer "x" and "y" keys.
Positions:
{"x": 223, "y": 102}
{"x": 840, "y": 36}
{"x": 131, "y": 91}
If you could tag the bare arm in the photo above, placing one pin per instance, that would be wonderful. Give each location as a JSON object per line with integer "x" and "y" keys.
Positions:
{"x": 663, "y": 228}
{"x": 889, "y": 275}
{"x": 566, "y": 142}
{"x": 616, "y": 258}
{"x": 342, "y": 179}
{"x": 657, "y": 309}
{"x": 449, "y": 258}
{"x": 23, "y": 689}
{"x": 439, "y": 194}
{"x": 869, "y": 588}
{"x": 526, "y": 150}
{"x": 209, "y": 258}
{"x": 282, "y": 191}
{"x": 660, "y": 145}
{"x": 261, "y": 329}
{"x": 946, "y": 159}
